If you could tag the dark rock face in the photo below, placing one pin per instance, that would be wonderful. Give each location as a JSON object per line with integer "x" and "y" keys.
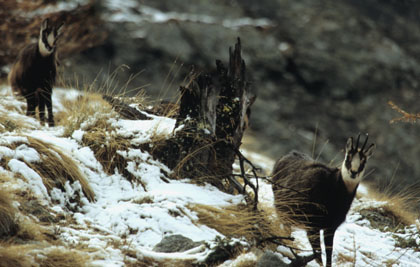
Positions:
{"x": 318, "y": 66}
{"x": 175, "y": 243}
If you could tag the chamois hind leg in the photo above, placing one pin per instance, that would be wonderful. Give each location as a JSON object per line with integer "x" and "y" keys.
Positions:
{"x": 315, "y": 240}
{"x": 32, "y": 102}
{"x": 329, "y": 242}
{"x": 48, "y": 101}
{"x": 41, "y": 105}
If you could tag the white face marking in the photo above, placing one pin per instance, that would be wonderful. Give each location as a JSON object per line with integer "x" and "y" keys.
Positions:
{"x": 355, "y": 163}
{"x": 51, "y": 39}
{"x": 349, "y": 179}
{"x": 43, "y": 50}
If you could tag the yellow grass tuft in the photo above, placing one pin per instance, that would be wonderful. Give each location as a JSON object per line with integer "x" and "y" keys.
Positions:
{"x": 29, "y": 255}
{"x": 105, "y": 143}
{"x": 8, "y": 225}
{"x": 241, "y": 221}
{"x": 15, "y": 255}
{"x": 89, "y": 106}
{"x": 60, "y": 257}
{"x": 30, "y": 231}
{"x": 398, "y": 207}
{"x": 57, "y": 168}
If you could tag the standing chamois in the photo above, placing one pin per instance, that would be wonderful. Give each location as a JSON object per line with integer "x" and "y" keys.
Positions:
{"x": 319, "y": 196}
{"x": 34, "y": 72}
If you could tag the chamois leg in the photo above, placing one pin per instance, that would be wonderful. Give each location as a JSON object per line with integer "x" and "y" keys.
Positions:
{"x": 41, "y": 105}
{"x": 329, "y": 240}
{"x": 32, "y": 102}
{"x": 48, "y": 101}
{"x": 315, "y": 240}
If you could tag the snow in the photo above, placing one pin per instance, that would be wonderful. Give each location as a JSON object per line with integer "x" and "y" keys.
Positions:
{"x": 137, "y": 215}
{"x": 32, "y": 178}
{"x": 135, "y": 12}
{"x": 60, "y": 6}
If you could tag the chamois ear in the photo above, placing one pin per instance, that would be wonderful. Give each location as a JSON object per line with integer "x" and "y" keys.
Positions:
{"x": 60, "y": 28}
{"x": 349, "y": 144}
{"x": 370, "y": 150}
{"x": 44, "y": 24}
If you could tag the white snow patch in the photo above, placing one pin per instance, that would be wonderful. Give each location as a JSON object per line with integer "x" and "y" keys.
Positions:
{"x": 33, "y": 179}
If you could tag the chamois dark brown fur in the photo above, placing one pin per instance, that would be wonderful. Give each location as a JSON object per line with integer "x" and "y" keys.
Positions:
{"x": 319, "y": 196}
{"x": 34, "y": 73}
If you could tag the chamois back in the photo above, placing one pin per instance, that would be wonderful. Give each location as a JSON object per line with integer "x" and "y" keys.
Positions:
{"x": 316, "y": 195}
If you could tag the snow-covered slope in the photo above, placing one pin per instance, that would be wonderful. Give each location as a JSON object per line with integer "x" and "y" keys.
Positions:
{"x": 128, "y": 218}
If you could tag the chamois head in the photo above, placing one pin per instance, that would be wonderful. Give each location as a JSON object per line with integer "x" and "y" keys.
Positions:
{"x": 48, "y": 37}
{"x": 354, "y": 163}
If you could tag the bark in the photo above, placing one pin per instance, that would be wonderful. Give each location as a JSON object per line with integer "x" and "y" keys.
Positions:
{"x": 214, "y": 112}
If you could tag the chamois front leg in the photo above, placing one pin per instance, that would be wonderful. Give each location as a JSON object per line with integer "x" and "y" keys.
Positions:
{"x": 41, "y": 105}
{"x": 315, "y": 240}
{"x": 329, "y": 242}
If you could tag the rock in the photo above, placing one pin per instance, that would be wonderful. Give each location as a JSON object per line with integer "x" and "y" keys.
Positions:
{"x": 175, "y": 243}
{"x": 269, "y": 259}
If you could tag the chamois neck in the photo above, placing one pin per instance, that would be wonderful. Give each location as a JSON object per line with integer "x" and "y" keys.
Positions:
{"x": 350, "y": 183}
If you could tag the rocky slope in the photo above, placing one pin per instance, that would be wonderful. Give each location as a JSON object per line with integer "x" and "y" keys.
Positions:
{"x": 84, "y": 193}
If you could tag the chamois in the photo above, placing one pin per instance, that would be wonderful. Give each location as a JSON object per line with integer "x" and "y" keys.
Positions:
{"x": 320, "y": 196}
{"x": 34, "y": 72}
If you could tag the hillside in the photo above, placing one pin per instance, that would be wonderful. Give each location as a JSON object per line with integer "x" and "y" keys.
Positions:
{"x": 86, "y": 193}
{"x": 312, "y": 63}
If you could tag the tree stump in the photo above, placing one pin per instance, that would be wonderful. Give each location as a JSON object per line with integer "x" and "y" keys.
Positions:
{"x": 213, "y": 115}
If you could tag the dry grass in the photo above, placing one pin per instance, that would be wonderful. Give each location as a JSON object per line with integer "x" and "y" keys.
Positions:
{"x": 104, "y": 143}
{"x": 8, "y": 121}
{"x": 55, "y": 168}
{"x": 399, "y": 207}
{"x": 15, "y": 255}
{"x": 87, "y": 107}
{"x": 29, "y": 255}
{"x": 31, "y": 231}
{"x": 149, "y": 262}
{"x": 23, "y": 227}
{"x": 60, "y": 257}
{"x": 8, "y": 224}
{"x": 241, "y": 221}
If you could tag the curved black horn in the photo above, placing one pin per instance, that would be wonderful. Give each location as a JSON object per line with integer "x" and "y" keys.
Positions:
{"x": 357, "y": 142}
{"x": 364, "y": 144}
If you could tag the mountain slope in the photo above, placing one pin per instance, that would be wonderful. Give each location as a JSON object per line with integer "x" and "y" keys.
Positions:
{"x": 86, "y": 193}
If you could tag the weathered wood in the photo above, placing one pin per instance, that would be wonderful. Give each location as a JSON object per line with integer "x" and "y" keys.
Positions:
{"x": 214, "y": 110}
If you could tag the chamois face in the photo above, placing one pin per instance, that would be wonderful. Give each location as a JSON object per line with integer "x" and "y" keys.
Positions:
{"x": 48, "y": 37}
{"x": 354, "y": 163}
